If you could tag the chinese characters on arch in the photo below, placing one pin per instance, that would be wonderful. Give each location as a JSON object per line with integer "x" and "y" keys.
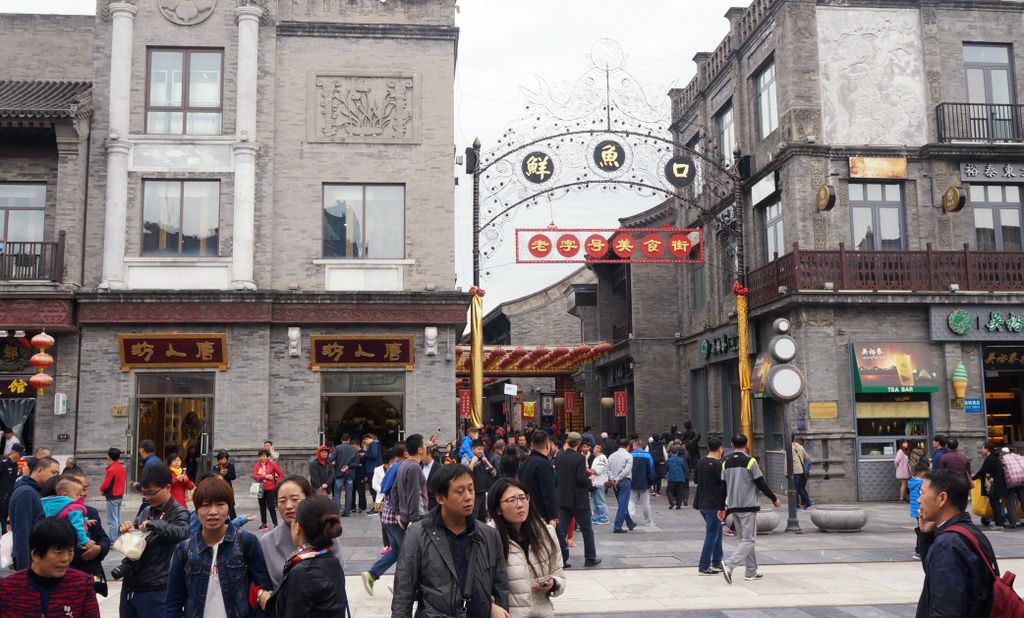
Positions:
{"x": 174, "y": 350}
{"x": 664, "y": 245}
{"x": 364, "y": 351}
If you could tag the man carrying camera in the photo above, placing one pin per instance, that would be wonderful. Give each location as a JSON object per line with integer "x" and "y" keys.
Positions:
{"x": 165, "y": 523}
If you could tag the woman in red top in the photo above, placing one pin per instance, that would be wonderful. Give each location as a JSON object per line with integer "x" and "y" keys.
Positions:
{"x": 267, "y": 472}
{"x": 180, "y": 483}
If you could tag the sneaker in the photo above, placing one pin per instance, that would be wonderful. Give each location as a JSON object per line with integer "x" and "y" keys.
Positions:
{"x": 754, "y": 577}
{"x": 707, "y": 572}
{"x": 592, "y": 563}
{"x": 717, "y": 568}
{"x": 371, "y": 513}
{"x": 632, "y": 528}
{"x": 727, "y": 574}
{"x": 263, "y": 527}
{"x": 384, "y": 550}
{"x": 601, "y": 523}
{"x": 728, "y": 532}
{"x": 368, "y": 581}
{"x": 619, "y": 531}
{"x": 917, "y": 556}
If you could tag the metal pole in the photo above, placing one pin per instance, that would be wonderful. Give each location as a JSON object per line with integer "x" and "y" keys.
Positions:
{"x": 793, "y": 523}
{"x": 742, "y": 324}
{"x": 476, "y": 212}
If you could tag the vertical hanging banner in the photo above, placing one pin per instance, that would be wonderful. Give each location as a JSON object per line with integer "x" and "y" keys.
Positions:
{"x": 621, "y": 404}
{"x": 465, "y": 402}
{"x": 662, "y": 245}
{"x": 529, "y": 409}
{"x": 570, "y": 401}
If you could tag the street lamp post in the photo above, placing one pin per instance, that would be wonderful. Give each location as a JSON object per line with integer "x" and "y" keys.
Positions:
{"x": 786, "y": 384}
{"x": 473, "y": 167}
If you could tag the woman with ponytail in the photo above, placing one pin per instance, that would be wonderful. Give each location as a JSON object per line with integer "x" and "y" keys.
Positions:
{"x": 314, "y": 583}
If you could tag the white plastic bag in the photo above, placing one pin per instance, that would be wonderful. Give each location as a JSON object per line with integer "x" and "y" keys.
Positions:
{"x": 131, "y": 544}
{"x": 6, "y": 551}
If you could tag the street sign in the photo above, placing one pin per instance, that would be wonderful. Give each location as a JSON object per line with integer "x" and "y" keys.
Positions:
{"x": 511, "y": 390}
{"x": 972, "y": 405}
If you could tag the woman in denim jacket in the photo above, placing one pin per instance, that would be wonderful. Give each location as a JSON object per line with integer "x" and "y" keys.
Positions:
{"x": 218, "y": 572}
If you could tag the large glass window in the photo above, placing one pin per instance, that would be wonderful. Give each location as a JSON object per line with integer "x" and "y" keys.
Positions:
{"x": 698, "y": 176}
{"x": 698, "y": 292}
{"x": 180, "y": 218}
{"x": 364, "y": 221}
{"x": 877, "y": 212}
{"x": 726, "y": 133}
{"x": 22, "y": 210}
{"x": 767, "y": 106}
{"x": 699, "y": 400}
{"x": 997, "y": 217}
{"x": 774, "y": 239}
{"x": 185, "y": 91}
{"x": 990, "y": 90}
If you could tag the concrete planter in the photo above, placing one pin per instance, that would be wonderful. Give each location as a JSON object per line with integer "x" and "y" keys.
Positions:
{"x": 838, "y": 518}
{"x": 767, "y": 521}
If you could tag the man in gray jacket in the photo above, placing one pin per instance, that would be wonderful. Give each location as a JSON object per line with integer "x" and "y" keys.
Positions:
{"x": 743, "y": 481}
{"x": 451, "y": 564}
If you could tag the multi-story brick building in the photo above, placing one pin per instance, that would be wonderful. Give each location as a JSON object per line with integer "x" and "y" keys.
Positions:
{"x": 251, "y": 204}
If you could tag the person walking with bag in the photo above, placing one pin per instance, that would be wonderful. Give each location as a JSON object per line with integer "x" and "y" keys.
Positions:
{"x": 993, "y": 485}
{"x": 266, "y": 474}
{"x": 801, "y": 470}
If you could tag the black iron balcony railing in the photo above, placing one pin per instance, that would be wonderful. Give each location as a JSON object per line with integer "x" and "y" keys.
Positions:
{"x": 886, "y": 271}
{"x": 32, "y": 261}
{"x": 977, "y": 122}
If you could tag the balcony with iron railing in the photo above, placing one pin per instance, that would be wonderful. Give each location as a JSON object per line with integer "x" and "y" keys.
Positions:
{"x": 32, "y": 261}
{"x": 980, "y": 122}
{"x": 886, "y": 271}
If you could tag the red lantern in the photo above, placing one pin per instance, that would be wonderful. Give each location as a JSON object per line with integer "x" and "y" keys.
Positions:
{"x": 41, "y": 381}
{"x": 42, "y": 341}
{"x": 41, "y": 360}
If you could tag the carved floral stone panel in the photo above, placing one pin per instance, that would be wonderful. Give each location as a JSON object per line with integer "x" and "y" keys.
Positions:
{"x": 364, "y": 109}
{"x": 187, "y": 12}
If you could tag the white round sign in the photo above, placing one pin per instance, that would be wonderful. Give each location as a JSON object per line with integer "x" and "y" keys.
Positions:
{"x": 782, "y": 348}
{"x": 785, "y": 383}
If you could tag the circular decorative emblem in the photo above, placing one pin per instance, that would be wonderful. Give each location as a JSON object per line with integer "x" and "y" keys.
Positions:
{"x": 954, "y": 199}
{"x": 596, "y": 246}
{"x": 568, "y": 245}
{"x": 609, "y": 156}
{"x": 187, "y": 12}
{"x": 825, "y": 198}
{"x": 652, "y": 245}
{"x": 539, "y": 246}
{"x": 705, "y": 348}
{"x": 959, "y": 321}
{"x": 679, "y": 245}
{"x": 680, "y": 171}
{"x": 538, "y": 167}
{"x": 623, "y": 245}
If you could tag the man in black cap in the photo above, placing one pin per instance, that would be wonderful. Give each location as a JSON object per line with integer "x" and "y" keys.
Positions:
{"x": 9, "y": 472}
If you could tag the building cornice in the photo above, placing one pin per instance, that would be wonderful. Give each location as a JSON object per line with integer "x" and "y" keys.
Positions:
{"x": 368, "y": 31}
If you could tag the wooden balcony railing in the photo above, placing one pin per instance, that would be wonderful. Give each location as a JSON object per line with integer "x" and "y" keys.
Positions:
{"x": 886, "y": 271}
{"x": 32, "y": 261}
{"x": 980, "y": 122}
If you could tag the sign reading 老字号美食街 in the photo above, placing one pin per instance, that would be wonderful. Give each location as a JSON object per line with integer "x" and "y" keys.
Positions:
{"x": 894, "y": 367}
{"x": 977, "y": 323}
{"x": 174, "y": 350}
{"x": 992, "y": 171}
{"x": 364, "y": 351}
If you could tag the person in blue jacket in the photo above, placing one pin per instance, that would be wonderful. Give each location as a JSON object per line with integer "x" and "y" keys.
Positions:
{"x": 371, "y": 459}
{"x": 466, "y": 446}
{"x": 678, "y": 486}
{"x": 914, "y": 485}
{"x": 643, "y": 482}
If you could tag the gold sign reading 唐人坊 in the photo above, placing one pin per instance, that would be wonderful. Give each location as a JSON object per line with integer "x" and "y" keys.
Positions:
{"x": 362, "y": 351}
{"x": 165, "y": 350}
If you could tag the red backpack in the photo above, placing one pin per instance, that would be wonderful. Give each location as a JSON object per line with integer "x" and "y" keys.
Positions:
{"x": 1005, "y": 601}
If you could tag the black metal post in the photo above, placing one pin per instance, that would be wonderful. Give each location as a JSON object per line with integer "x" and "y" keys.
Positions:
{"x": 793, "y": 523}
{"x": 476, "y": 209}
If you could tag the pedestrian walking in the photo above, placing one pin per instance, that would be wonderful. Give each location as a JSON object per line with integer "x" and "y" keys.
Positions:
{"x": 659, "y": 454}
{"x": 955, "y": 555}
{"x": 343, "y": 459}
{"x": 268, "y": 446}
{"x": 691, "y": 442}
{"x": 531, "y": 551}
{"x": 451, "y": 564}
{"x": 902, "y": 465}
{"x": 9, "y": 473}
{"x": 212, "y": 571}
{"x": 801, "y": 471}
{"x": 268, "y": 474}
{"x": 938, "y": 450}
{"x": 537, "y": 475}
{"x": 620, "y": 473}
{"x": 112, "y": 487}
{"x": 993, "y": 485}
{"x": 914, "y": 487}
{"x": 430, "y": 466}
{"x": 314, "y": 580}
{"x": 1013, "y": 475}
{"x": 181, "y": 484}
{"x": 678, "y": 484}
{"x": 321, "y": 472}
{"x": 574, "y": 484}
{"x": 372, "y": 459}
{"x": 598, "y": 505}
{"x": 743, "y": 479}
{"x": 956, "y": 461}
{"x": 26, "y": 507}
{"x": 642, "y": 486}
{"x": 710, "y": 501}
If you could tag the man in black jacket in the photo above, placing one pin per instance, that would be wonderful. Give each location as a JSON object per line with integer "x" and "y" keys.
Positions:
{"x": 957, "y": 581}
{"x": 344, "y": 460}
{"x": 26, "y": 506}
{"x": 574, "y": 500}
{"x": 450, "y": 564}
{"x": 537, "y": 475}
{"x": 710, "y": 499}
{"x": 166, "y": 524}
{"x": 9, "y": 473}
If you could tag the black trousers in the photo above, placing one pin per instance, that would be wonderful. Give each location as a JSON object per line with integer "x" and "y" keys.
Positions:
{"x": 481, "y": 507}
{"x": 268, "y": 501}
{"x": 678, "y": 493}
{"x": 582, "y": 515}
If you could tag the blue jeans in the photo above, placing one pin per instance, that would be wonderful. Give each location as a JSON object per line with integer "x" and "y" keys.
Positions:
{"x": 142, "y": 604}
{"x": 800, "y": 480}
{"x": 712, "y": 552}
{"x": 396, "y": 536}
{"x": 622, "y": 493}
{"x": 113, "y": 518}
{"x": 599, "y": 506}
{"x": 345, "y": 482}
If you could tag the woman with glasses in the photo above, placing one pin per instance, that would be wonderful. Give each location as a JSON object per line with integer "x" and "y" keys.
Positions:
{"x": 531, "y": 550}
{"x": 277, "y": 544}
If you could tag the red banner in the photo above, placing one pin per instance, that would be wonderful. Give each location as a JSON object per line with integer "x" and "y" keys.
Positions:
{"x": 465, "y": 403}
{"x": 663, "y": 245}
{"x": 570, "y": 401}
{"x": 621, "y": 404}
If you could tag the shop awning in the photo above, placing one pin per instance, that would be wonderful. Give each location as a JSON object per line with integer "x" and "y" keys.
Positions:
{"x": 894, "y": 367}
{"x": 533, "y": 361}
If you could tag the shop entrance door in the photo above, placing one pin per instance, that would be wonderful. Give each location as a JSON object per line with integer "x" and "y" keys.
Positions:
{"x": 175, "y": 411}
{"x": 361, "y": 402}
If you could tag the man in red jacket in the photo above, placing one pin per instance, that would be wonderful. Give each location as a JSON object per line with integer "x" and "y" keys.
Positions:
{"x": 112, "y": 489}
{"x": 69, "y": 592}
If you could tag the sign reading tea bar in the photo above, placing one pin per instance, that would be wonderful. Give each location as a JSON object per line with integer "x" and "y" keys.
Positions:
{"x": 894, "y": 367}
{"x": 174, "y": 350}
{"x": 365, "y": 351}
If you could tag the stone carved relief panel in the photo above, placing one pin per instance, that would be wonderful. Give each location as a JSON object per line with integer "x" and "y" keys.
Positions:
{"x": 186, "y": 12}
{"x": 364, "y": 109}
{"x": 872, "y": 76}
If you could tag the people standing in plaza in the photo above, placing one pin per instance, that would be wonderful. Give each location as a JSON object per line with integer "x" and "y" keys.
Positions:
{"x": 112, "y": 487}
{"x": 642, "y": 486}
{"x": 573, "y": 481}
{"x": 743, "y": 480}
{"x": 955, "y": 555}
{"x": 659, "y": 454}
{"x": 710, "y": 502}
{"x": 49, "y": 586}
{"x": 1013, "y": 475}
{"x": 914, "y": 487}
{"x": 598, "y": 504}
{"x": 278, "y": 545}
{"x": 372, "y": 459}
{"x": 938, "y": 450}
{"x": 165, "y": 523}
{"x": 181, "y": 484}
{"x": 314, "y": 580}
{"x": 588, "y": 437}
{"x": 956, "y": 461}
{"x": 537, "y": 475}
{"x": 268, "y": 446}
{"x": 343, "y": 459}
{"x": 620, "y": 473}
{"x": 268, "y": 474}
{"x": 466, "y": 444}
{"x": 678, "y": 485}
{"x": 212, "y": 571}
{"x": 9, "y": 473}
{"x": 321, "y": 472}
{"x": 902, "y": 465}
{"x": 801, "y": 471}
{"x": 531, "y": 551}
{"x": 70, "y": 466}
{"x": 26, "y": 506}
{"x": 147, "y": 454}
{"x": 430, "y": 467}
{"x": 451, "y": 564}
{"x": 993, "y": 486}
{"x": 226, "y": 470}
{"x": 90, "y": 559}
{"x": 8, "y": 441}
{"x": 359, "y": 478}
{"x": 691, "y": 442}
{"x": 483, "y": 476}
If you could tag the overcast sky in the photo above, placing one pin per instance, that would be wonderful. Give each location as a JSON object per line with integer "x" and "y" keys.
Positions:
{"x": 504, "y": 46}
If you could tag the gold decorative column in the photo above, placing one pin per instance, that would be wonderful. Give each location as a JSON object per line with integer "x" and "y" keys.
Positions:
{"x": 743, "y": 357}
{"x": 476, "y": 357}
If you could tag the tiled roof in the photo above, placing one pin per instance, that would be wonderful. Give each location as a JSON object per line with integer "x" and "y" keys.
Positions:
{"x": 44, "y": 99}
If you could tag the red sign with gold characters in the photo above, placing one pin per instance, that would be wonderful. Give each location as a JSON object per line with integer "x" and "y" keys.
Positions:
{"x": 570, "y": 400}
{"x": 16, "y": 387}
{"x": 663, "y": 245}
{"x": 362, "y": 351}
{"x": 621, "y": 404}
{"x": 465, "y": 403}
{"x": 156, "y": 350}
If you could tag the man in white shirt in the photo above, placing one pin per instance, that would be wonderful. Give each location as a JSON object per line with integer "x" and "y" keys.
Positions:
{"x": 9, "y": 441}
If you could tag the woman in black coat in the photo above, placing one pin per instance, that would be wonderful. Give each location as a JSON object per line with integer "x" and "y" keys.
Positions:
{"x": 314, "y": 582}
{"x": 993, "y": 485}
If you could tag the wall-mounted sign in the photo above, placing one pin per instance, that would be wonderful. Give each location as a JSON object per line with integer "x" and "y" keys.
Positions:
{"x": 570, "y": 400}
{"x": 764, "y": 189}
{"x": 465, "y": 403}
{"x": 16, "y": 387}
{"x": 621, "y": 404}
{"x": 609, "y": 156}
{"x": 759, "y": 376}
{"x": 664, "y": 245}
{"x": 680, "y": 171}
{"x": 362, "y": 351}
{"x": 954, "y": 199}
{"x": 878, "y": 167}
{"x": 529, "y": 409}
{"x": 894, "y": 367}
{"x": 997, "y": 358}
{"x": 825, "y": 199}
{"x": 972, "y": 405}
{"x": 538, "y": 167}
{"x": 992, "y": 171}
{"x": 120, "y": 410}
{"x": 824, "y": 410}
{"x": 177, "y": 350}
{"x": 511, "y": 389}
{"x": 547, "y": 405}
{"x": 977, "y": 323}
{"x": 724, "y": 344}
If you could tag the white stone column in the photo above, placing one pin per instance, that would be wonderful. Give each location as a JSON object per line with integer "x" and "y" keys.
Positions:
{"x": 245, "y": 148}
{"x": 122, "y": 16}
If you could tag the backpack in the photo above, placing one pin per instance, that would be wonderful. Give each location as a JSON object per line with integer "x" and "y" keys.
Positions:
{"x": 1013, "y": 469}
{"x": 1005, "y": 601}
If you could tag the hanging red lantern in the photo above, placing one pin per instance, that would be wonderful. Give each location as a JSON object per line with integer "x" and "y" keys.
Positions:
{"x": 40, "y": 382}
{"x": 41, "y": 360}
{"x": 42, "y": 341}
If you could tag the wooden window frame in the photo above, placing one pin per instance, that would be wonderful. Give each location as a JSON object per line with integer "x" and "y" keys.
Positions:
{"x": 186, "y": 70}
{"x": 364, "y": 186}
{"x": 181, "y": 216}
{"x": 6, "y": 210}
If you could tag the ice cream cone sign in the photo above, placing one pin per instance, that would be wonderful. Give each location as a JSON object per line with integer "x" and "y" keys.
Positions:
{"x": 960, "y": 380}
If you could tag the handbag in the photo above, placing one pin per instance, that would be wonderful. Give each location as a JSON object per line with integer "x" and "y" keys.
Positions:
{"x": 256, "y": 489}
{"x": 131, "y": 544}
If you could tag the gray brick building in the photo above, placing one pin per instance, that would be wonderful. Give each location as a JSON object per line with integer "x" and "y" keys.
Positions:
{"x": 245, "y": 224}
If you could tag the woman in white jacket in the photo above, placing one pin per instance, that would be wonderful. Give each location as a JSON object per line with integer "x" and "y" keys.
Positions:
{"x": 532, "y": 554}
